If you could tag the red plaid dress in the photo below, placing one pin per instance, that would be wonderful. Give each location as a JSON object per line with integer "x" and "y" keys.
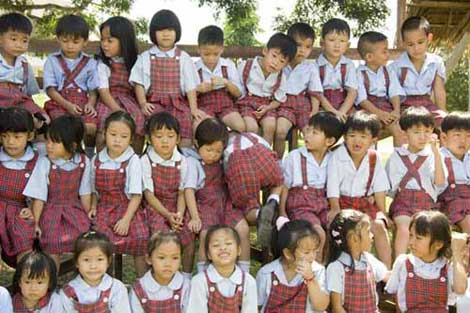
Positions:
{"x": 100, "y": 306}
{"x": 171, "y": 305}
{"x": 363, "y": 203}
{"x": 217, "y": 103}
{"x": 124, "y": 95}
{"x": 426, "y": 295}
{"x": 73, "y": 94}
{"x": 112, "y": 206}
{"x": 335, "y": 96}
{"x": 248, "y": 171}
{"x": 165, "y": 92}
{"x": 359, "y": 290}
{"x": 286, "y": 299}
{"x": 409, "y": 201}
{"x": 217, "y": 303}
{"x": 307, "y": 202}
{"x": 16, "y": 234}
{"x": 19, "y": 307}
{"x": 455, "y": 200}
{"x": 250, "y": 103}
{"x": 381, "y": 103}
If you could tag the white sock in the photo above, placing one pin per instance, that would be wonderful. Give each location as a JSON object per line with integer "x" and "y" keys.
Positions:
{"x": 201, "y": 266}
{"x": 273, "y": 197}
{"x": 187, "y": 276}
{"x": 244, "y": 265}
{"x": 257, "y": 212}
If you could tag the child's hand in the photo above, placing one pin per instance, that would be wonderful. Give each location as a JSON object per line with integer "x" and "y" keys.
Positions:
{"x": 261, "y": 111}
{"x": 92, "y": 214}
{"x": 176, "y": 221}
{"x": 73, "y": 109}
{"x": 195, "y": 225}
{"x": 204, "y": 87}
{"x": 218, "y": 82}
{"x": 89, "y": 110}
{"x": 198, "y": 115}
{"x": 37, "y": 230}
{"x": 459, "y": 244}
{"x": 304, "y": 268}
{"x": 434, "y": 142}
{"x": 26, "y": 214}
{"x": 147, "y": 108}
{"x": 121, "y": 227}
{"x": 342, "y": 116}
{"x": 386, "y": 118}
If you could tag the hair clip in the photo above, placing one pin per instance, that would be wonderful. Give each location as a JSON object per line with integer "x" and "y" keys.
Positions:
{"x": 89, "y": 233}
{"x": 338, "y": 241}
{"x": 335, "y": 233}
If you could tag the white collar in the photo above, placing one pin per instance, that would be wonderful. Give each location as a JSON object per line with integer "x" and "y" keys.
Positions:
{"x": 76, "y": 159}
{"x": 126, "y": 155}
{"x": 27, "y": 156}
{"x": 447, "y": 153}
{"x": 403, "y": 150}
{"x": 153, "y": 286}
{"x": 345, "y": 259}
{"x": 105, "y": 283}
{"x": 18, "y": 60}
{"x": 156, "y": 158}
{"x": 215, "y": 277}
{"x": 322, "y": 60}
{"x": 81, "y": 54}
{"x": 156, "y": 51}
{"x": 303, "y": 151}
{"x": 435, "y": 266}
{"x": 200, "y": 64}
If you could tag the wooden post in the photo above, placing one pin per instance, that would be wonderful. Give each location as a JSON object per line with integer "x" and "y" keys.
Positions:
{"x": 468, "y": 73}
{"x": 401, "y": 15}
{"x": 457, "y": 53}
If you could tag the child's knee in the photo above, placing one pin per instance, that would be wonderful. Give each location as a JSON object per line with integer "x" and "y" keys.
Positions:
{"x": 242, "y": 229}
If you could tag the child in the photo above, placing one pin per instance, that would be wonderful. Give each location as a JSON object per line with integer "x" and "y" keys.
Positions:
{"x": 379, "y": 90}
{"x": 305, "y": 173}
{"x": 337, "y": 73}
{"x": 223, "y": 287}
{"x": 164, "y": 174}
{"x": 265, "y": 85}
{"x": 118, "y": 54}
{"x": 421, "y": 74}
{"x": 5, "y": 301}
{"x": 353, "y": 272}
{"x": 60, "y": 188}
{"x": 219, "y": 79}
{"x": 357, "y": 179}
{"x": 303, "y": 87}
{"x": 163, "y": 288}
{"x": 116, "y": 183}
{"x": 165, "y": 77}
{"x": 416, "y": 173}
{"x": 93, "y": 290}
{"x": 294, "y": 282}
{"x": 424, "y": 280}
{"x": 70, "y": 78}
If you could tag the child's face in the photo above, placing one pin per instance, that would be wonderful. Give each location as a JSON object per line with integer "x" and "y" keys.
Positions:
{"x": 166, "y": 38}
{"x": 211, "y": 153}
{"x": 416, "y": 43}
{"x": 456, "y": 141}
{"x": 33, "y": 289}
{"x": 56, "y": 150}
{"x": 304, "y": 48}
{"x": 165, "y": 261}
{"x": 14, "y": 144}
{"x": 306, "y": 250}
{"x": 92, "y": 265}
{"x": 164, "y": 141}
{"x": 210, "y": 55}
{"x": 335, "y": 44}
{"x": 13, "y": 43}
{"x": 273, "y": 60}
{"x": 71, "y": 46}
{"x": 223, "y": 248}
{"x": 418, "y": 136}
{"x": 420, "y": 246}
{"x": 358, "y": 142}
{"x": 110, "y": 45}
{"x": 118, "y": 138}
{"x": 379, "y": 54}
{"x": 315, "y": 139}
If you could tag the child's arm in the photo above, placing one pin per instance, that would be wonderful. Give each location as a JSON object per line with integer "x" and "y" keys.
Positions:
{"x": 439, "y": 175}
{"x": 336, "y": 303}
{"x": 197, "y": 114}
{"x": 459, "y": 285}
{"x": 330, "y": 108}
{"x": 315, "y": 105}
{"x": 348, "y": 101}
{"x": 283, "y": 201}
{"x": 395, "y": 101}
{"x": 108, "y": 100}
{"x": 333, "y": 188}
{"x": 147, "y": 107}
{"x": 318, "y": 298}
{"x": 190, "y": 198}
{"x": 122, "y": 225}
{"x": 439, "y": 92}
{"x": 38, "y": 206}
{"x": 86, "y": 202}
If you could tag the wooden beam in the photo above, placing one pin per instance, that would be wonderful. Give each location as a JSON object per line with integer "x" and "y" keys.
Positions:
{"x": 459, "y": 50}
{"x": 401, "y": 15}
{"x": 440, "y": 4}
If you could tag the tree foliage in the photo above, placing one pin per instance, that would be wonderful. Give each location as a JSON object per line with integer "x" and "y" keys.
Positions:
{"x": 457, "y": 87}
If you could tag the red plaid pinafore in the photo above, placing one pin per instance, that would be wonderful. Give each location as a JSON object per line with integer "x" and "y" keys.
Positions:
{"x": 19, "y": 307}
{"x": 217, "y": 303}
{"x": 111, "y": 207}
{"x": 455, "y": 200}
{"x": 363, "y": 203}
{"x": 307, "y": 202}
{"x": 170, "y": 305}
{"x": 359, "y": 290}
{"x": 249, "y": 170}
{"x": 100, "y": 306}
{"x": 426, "y": 295}
{"x": 217, "y": 103}
{"x": 409, "y": 201}
{"x": 286, "y": 299}
{"x": 250, "y": 103}
{"x": 123, "y": 94}
{"x": 165, "y": 92}
{"x": 381, "y": 103}
{"x": 73, "y": 94}
{"x": 335, "y": 96}
{"x": 16, "y": 234}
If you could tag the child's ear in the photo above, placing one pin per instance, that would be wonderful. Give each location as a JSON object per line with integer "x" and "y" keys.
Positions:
{"x": 349, "y": 44}
{"x": 85, "y": 43}
{"x": 374, "y": 140}
{"x": 148, "y": 260}
{"x": 430, "y": 36}
{"x": 437, "y": 245}
{"x": 330, "y": 141}
{"x": 178, "y": 140}
{"x": 239, "y": 252}
{"x": 265, "y": 51}
{"x": 288, "y": 255}
{"x": 443, "y": 137}
{"x": 30, "y": 136}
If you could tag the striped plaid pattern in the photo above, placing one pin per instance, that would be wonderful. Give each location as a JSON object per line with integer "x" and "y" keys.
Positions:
{"x": 19, "y": 307}
{"x": 171, "y": 305}
{"x": 296, "y": 109}
{"x": 217, "y": 103}
{"x": 335, "y": 97}
{"x": 381, "y": 103}
{"x": 217, "y": 303}
{"x": 100, "y": 306}
{"x": 286, "y": 299}
{"x": 359, "y": 290}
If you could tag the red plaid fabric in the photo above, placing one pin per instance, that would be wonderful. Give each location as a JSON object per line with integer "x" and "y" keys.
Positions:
{"x": 123, "y": 93}
{"x": 166, "y": 183}
{"x": 171, "y": 305}
{"x": 100, "y": 306}
{"x": 112, "y": 206}
{"x": 19, "y": 307}
{"x": 306, "y": 202}
{"x": 217, "y": 103}
{"x": 426, "y": 295}
{"x": 217, "y": 303}
{"x": 286, "y": 299}
{"x": 165, "y": 92}
{"x": 249, "y": 171}
{"x": 297, "y": 109}
{"x": 381, "y": 103}
{"x": 455, "y": 200}
{"x": 335, "y": 96}
{"x": 73, "y": 94}
{"x": 359, "y": 290}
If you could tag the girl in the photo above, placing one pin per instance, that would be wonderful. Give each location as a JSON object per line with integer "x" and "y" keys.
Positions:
{"x": 164, "y": 174}
{"x": 60, "y": 187}
{"x": 116, "y": 178}
{"x": 424, "y": 279}
{"x": 163, "y": 288}
{"x": 223, "y": 287}
{"x": 294, "y": 282}
{"x": 118, "y": 54}
{"x": 93, "y": 290}
{"x": 353, "y": 272}
{"x": 17, "y": 160}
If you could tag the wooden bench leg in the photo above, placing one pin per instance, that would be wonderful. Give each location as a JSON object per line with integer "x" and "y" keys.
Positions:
{"x": 117, "y": 264}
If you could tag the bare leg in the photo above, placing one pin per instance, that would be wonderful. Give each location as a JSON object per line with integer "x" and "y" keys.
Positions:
{"x": 188, "y": 257}
{"x": 282, "y": 128}
{"x": 402, "y": 234}
{"x": 269, "y": 127}
{"x": 235, "y": 121}
{"x": 382, "y": 242}
{"x": 140, "y": 265}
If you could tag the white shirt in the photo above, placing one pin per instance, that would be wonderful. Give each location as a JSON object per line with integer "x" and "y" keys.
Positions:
{"x": 232, "y": 72}
{"x": 5, "y": 301}
{"x": 14, "y": 74}
{"x": 463, "y": 301}
{"x": 19, "y": 163}
{"x": 316, "y": 173}
{"x": 332, "y": 79}
{"x": 304, "y": 76}
{"x": 461, "y": 168}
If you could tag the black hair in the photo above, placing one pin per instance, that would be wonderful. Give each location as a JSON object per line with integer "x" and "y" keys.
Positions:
{"x": 214, "y": 228}
{"x": 16, "y": 119}
{"x": 68, "y": 130}
{"x": 328, "y": 123}
{"x": 363, "y": 121}
{"x": 456, "y": 120}
{"x": 121, "y": 116}
{"x": 367, "y": 41}
{"x": 291, "y": 233}
{"x": 164, "y": 19}
{"x": 72, "y": 25}
{"x": 301, "y": 30}
{"x": 93, "y": 239}
{"x": 123, "y": 30}
{"x": 335, "y": 25}
{"x": 211, "y": 35}
{"x": 415, "y": 23}
{"x": 211, "y": 130}
{"x": 15, "y": 22}
{"x": 162, "y": 120}
{"x": 416, "y": 116}
{"x": 161, "y": 237}
{"x": 284, "y": 43}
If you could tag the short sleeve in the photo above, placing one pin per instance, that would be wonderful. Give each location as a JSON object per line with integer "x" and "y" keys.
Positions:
{"x": 332, "y": 182}
{"x": 5, "y": 301}
{"x": 379, "y": 269}
{"x": 103, "y": 75}
{"x": 380, "y": 181}
{"x": 395, "y": 87}
{"x": 314, "y": 82}
{"x": 147, "y": 180}
{"x": 193, "y": 178}
{"x": 361, "y": 89}
{"x": 134, "y": 176}
{"x": 250, "y": 299}
{"x": 92, "y": 82}
{"x": 32, "y": 88}
{"x": 138, "y": 74}
{"x": 441, "y": 69}
{"x": 199, "y": 295}
{"x": 38, "y": 184}
{"x": 233, "y": 75}
{"x": 119, "y": 300}
{"x": 262, "y": 279}
{"x": 280, "y": 94}
{"x": 85, "y": 184}
{"x": 288, "y": 170}
{"x": 351, "y": 76}
{"x": 190, "y": 77}
{"x": 335, "y": 278}
{"x": 48, "y": 75}
{"x": 394, "y": 281}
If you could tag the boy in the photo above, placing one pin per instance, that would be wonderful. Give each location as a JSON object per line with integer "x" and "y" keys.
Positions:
{"x": 421, "y": 74}
{"x": 265, "y": 85}
{"x": 303, "y": 87}
{"x": 220, "y": 82}
{"x": 416, "y": 173}
{"x": 357, "y": 179}
{"x": 379, "y": 92}
{"x": 70, "y": 77}
{"x": 337, "y": 73}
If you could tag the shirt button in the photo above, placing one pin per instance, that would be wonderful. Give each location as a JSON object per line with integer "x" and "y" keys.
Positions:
{"x": 26, "y": 175}
{"x": 121, "y": 170}
{"x": 240, "y": 288}
{"x": 176, "y": 297}
{"x": 305, "y": 187}
{"x": 211, "y": 289}
{"x": 275, "y": 282}
{"x": 82, "y": 165}
{"x": 105, "y": 299}
{"x": 54, "y": 167}
{"x": 144, "y": 300}
{"x": 452, "y": 185}
{"x": 411, "y": 275}
{"x": 443, "y": 279}
{"x": 154, "y": 165}
{"x": 79, "y": 90}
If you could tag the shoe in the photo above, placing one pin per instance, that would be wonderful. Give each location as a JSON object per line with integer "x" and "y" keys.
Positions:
{"x": 265, "y": 222}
